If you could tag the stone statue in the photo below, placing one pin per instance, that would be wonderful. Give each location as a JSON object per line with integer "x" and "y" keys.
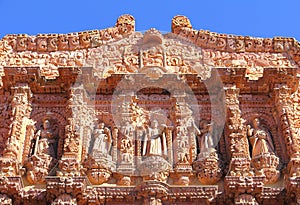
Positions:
{"x": 46, "y": 140}
{"x": 260, "y": 139}
{"x": 103, "y": 140}
{"x": 155, "y": 141}
{"x": 206, "y": 143}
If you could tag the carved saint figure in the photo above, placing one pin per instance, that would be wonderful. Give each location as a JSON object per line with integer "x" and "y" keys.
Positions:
{"x": 46, "y": 140}
{"x": 206, "y": 143}
{"x": 260, "y": 139}
{"x": 155, "y": 141}
{"x": 103, "y": 139}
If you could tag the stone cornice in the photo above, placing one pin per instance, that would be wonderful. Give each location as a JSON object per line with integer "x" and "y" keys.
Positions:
{"x": 125, "y": 25}
{"x": 68, "y": 42}
{"x": 233, "y": 43}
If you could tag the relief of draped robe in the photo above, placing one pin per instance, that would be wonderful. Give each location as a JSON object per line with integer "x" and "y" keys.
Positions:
{"x": 260, "y": 139}
{"x": 103, "y": 140}
{"x": 155, "y": 141}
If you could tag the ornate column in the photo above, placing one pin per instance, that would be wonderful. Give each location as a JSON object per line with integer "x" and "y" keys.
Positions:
{"x": 21, "y": 109}
{"x": 79, "y": 123}
{"x": 68, "y": 176}
{"x": 240, "y": 179}
{"x": 10, "y": 163}
{"x": 185, "y": 133}
{"x": 236, "y": 133}
{"x": 284, "y": 108}
{"x": 127, "y": 133}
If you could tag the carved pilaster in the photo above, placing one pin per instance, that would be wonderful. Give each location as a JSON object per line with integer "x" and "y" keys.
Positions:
{"x": 127, "y": 134}
{"x": 78, "y": 130}
{"x": 284, "y": 108}
{"x": 236, "y": 133}
{"x": 21, "y": 109}
{"x": 283, "y": 103}
{"x": 239, "y": 179}
{"x": 185, "y": 137}
{"x": 81, "y": 119}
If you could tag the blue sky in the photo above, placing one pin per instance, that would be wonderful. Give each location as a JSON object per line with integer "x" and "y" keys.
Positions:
{"x": 259, "y": 18}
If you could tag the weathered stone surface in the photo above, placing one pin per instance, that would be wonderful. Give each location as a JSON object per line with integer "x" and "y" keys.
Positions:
{"x": 116, "y": 116}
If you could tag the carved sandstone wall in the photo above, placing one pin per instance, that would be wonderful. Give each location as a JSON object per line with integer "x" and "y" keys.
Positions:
{"x": 116, "y": 116}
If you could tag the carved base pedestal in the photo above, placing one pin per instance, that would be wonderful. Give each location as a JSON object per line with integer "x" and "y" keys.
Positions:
{"x": 152, "y": 192}
{"x": 155, "y": 168}
{"x": 65, "y": 190}
{"x": 208, "y": 167}
{"x": 183, "y": 172}
{"x": 240, "y": 167}
{"x": 68, "y": 167}
{"x": 125, "y": 168}
{"x": 38, "y": 167}
{"x": 99, "y": 171}
{"x": 98, "y": 175}
{"x": 266, "y": 165}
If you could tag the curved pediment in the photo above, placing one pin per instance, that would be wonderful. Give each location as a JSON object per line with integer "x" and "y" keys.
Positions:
{"x": 144, "y": 54}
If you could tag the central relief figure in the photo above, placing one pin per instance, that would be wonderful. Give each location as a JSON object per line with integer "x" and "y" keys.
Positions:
{"x": 155, "y": 141}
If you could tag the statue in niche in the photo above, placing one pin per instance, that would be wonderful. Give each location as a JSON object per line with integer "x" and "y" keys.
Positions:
{"x": 155, "y": 141}
{"x": 46, "y": 140}
{"x": 43, "y": 153}
{"x": 260, "y": 139}
{"x": 206, "y": 143}
{"x": 102, "y": 140}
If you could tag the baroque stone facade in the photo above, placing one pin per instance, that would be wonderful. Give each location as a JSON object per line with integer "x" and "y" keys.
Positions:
{"x": 116, "y": 116}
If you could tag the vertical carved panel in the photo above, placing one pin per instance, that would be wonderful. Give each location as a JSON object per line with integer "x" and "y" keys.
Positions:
{"x": 284, "y": 109}
{"x": 236, "y": 133}
{"x": 21, "y": 109}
